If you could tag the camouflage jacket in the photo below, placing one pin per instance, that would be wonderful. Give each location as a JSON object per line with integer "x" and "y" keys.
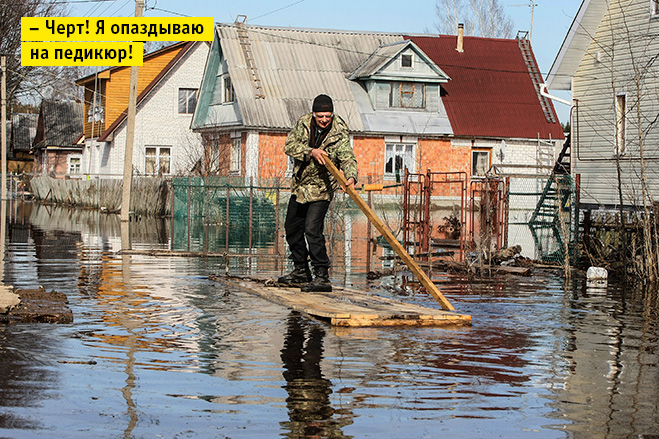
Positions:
{"x": 312, "y": 181}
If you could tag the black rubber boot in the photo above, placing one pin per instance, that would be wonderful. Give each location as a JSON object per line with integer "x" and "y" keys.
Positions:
{"x": 320, "y": 284}
{"x": 299, "y": 276}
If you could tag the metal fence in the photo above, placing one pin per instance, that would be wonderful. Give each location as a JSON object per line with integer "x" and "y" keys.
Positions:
{"x": 542, "y": 217}
{"x": 226, "y": 215}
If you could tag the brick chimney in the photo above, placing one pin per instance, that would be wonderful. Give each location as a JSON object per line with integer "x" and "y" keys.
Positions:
{"x": 461, "y": 33}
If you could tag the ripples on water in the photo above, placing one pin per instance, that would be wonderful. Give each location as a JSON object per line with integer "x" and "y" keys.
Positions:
{"x": 159, "y": 350}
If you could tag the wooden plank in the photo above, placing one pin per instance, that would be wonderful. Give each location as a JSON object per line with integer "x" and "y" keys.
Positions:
{"x": 391, "y": 239}
{"x": 353, "y": 308}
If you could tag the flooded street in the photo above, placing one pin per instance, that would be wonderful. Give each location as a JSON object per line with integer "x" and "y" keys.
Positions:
{"x": 159, "y": 350}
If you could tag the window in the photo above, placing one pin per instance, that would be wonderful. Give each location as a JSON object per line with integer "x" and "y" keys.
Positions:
{"x": 229, "y": 92}
{"x": 95, "y": 112}
{"x": 406, "y": 60}
{"x": 74, "y": 164}
{"x": 397, "y": 158}
{"x": 621, "y": 122}
{"x": 407, "y": 95}
{"x": 235, "y": 156}
{"x": 480, "y": 162}
{"x": 157, "y": 160}
{"x": 654, "y": 8}
{"x": 187, "y": 100}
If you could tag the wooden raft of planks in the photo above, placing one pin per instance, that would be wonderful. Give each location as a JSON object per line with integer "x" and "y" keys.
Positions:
{"x": 348, "y": 307}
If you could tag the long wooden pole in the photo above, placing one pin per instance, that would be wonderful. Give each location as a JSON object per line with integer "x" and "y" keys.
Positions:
{"x": 3, "y": 66}
{"x": 391, "y": 239}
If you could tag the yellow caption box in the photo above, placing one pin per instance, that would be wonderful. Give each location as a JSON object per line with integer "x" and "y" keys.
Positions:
{"x": 81, "y": 54}
{"x": 117, "y": 28}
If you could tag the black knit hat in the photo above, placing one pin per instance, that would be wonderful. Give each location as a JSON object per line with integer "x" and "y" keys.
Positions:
{"x": 322, "y": 103}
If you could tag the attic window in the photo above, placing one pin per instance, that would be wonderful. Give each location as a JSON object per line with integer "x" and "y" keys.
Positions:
{"x": 406, "y": 61}
{"x": 187, "y": 100}
{"x": 229, "y": 94}
{"x": 407, "y": 95}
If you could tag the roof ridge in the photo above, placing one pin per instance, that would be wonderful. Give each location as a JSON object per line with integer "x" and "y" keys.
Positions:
{"x": 312, "y": 29}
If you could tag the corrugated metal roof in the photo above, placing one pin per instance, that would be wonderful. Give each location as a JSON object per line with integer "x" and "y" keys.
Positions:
{"x": 62, "y": 123}
{"x": 491, "y": 93}
{"x": 385, "y": 55}
{"x": 23, "y": 130}
{"x": 295, "y": 65}
{"x": 381, "y": 55}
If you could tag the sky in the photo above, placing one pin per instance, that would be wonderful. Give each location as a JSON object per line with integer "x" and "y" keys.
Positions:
{"x": 551, "y": 18}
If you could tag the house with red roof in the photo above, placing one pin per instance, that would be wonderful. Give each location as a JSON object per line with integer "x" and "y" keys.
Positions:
{"x": 167, "y": 89}
{"x": 413, "y": 102}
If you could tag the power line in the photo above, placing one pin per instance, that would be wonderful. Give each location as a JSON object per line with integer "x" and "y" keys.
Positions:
{"x": 153, "y": 8}
{"x": 277, "y": 10}
{"x": 80, "y": 1}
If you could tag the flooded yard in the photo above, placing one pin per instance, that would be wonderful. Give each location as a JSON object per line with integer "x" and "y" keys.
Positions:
{"x": 157, "y": 349}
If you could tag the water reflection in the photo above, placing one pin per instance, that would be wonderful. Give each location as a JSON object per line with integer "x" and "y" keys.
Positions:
{"x": 309, "y": 409}
{"x": 181, "y": 356}
{"x": 23, "y": 379}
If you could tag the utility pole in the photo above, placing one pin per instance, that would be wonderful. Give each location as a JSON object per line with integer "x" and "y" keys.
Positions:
{"x": 3, "y": 67}
{"x": 531, "y": 5}
{"x": 130, "y": 134}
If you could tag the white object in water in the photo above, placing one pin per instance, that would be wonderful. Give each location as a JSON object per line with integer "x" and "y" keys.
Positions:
{"x": 597, "y": 277}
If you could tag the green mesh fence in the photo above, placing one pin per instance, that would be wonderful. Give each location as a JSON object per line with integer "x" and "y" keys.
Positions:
{"x": 220, "y": 214}
{"x": 542, "y": 217}
{"x": 216, "y": 214}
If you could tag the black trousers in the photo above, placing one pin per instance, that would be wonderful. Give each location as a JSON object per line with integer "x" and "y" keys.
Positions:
{"x": 304, "y": 232}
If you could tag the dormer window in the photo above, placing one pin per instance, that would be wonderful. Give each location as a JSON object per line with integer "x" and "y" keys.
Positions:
{"x": 406, "y": 61}
{"x": 407, "y": 95}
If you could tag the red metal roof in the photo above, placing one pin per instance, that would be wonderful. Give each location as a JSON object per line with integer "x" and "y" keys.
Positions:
{"x": 491, "y": 93}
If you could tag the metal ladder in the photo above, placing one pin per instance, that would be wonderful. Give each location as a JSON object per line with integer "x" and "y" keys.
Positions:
{"x": 536, "y": 77}
{"x": 246, "y": 47}
{"x": 556, "y": 201}
{"x": 554, "y": 197}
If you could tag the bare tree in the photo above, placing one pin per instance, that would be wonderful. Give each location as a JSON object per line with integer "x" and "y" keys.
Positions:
{"x": 25, "y": 81}
{"x": 482, "y": 18}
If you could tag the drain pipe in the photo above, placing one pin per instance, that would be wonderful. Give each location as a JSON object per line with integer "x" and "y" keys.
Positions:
{"x": 543, "y": 92}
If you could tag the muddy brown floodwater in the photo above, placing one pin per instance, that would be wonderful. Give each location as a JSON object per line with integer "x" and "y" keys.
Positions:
{"x": 158, "y": 350}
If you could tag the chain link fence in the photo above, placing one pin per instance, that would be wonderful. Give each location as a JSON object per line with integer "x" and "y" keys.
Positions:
{"x": 542, "y": 217}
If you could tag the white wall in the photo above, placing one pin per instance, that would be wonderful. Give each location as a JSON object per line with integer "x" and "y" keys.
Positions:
{"x": 157, "y": 123}
{"x": 624, "y": 44}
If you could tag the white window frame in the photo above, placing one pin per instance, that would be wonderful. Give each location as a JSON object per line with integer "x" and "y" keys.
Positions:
{"x": 407, "y": 56}
{"x": 654, "y": 8}
{"x": 157, "y": 157}
{"x": 235, "y": 154}
{"x": 477, "y": 169}
{"x": 620, "y": 142}
{"x": 399, "y": 89}
{"x": 406, "y": 151}
{"x": 188, "y": 93}
{"x": 228, "y": 92}
{"x": 74, "y": 168}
